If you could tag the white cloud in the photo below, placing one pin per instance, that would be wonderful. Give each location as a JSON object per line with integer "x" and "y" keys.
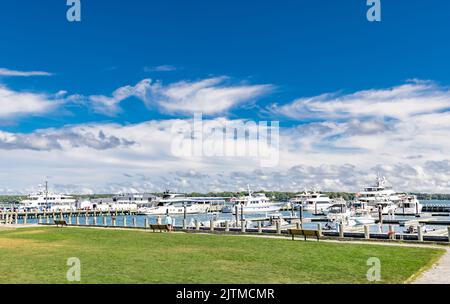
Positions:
{"x": 13, "y": 73}
{"x": 161, "y": 68}
{"x": 399, "y": 102}
{"x": 14, "y": 103}
{"x": 209, "y": 96}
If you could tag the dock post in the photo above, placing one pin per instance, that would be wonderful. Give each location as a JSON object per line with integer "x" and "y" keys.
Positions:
{"x": 25, "y": 218}
{"x": 278, "y": 225}
{"x": 124, "y": 221}
{"x": 69, "y": 219}
{"x": 227, "y": 226}
{"x": 197, "y": 225}
{"x": 39, "y": 219}
{"x": 158, "y": 220}
{"x": 211, "y": 225}
{"x": 47, "y": 219}
{"x": 87, "y": 221}
{"x": 77, "y": 221}
{"x": 319, "y": 228}
{"x": 95, "y": 220}
{"x": 341, "y": 230}
{"x": 259, "y": 227}
{"x": 366, "y": 232}
{"x": 6, "y": 218}
{"x": 448, "y": 230}
{"x": 113, "y": 220}
{"x": 134, "y": 222}
{"x": 420, "y": 233}
{"x": 104, "y": 220}
{"x": 243, "y": 226}
{"x": 184, "y": 223}
{"x": 17, "y": 218}
{"x": 146, "y": 223}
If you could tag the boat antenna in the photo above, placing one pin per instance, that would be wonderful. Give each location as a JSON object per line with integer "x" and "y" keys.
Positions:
{"x": 46, "y": 193}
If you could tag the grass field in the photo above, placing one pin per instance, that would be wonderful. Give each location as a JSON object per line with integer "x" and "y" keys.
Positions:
{"x": 39, "y": 255}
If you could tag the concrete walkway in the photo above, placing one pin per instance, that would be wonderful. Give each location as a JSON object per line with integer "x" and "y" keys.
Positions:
{"x": 438, "y": 274}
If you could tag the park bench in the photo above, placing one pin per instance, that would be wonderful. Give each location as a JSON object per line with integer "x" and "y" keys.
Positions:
{"x": 60, "y": 223}
{"x": 305, "y": 233}
{"x": 161, "y": 228}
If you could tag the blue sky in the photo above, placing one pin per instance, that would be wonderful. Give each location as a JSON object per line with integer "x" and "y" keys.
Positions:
{"x": 274, "y": 53}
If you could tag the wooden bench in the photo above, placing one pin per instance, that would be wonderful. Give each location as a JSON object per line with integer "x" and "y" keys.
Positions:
{"x": 305, "y": 233}
{"x": 161, "y": 228}
{"x": 60, "y": 223}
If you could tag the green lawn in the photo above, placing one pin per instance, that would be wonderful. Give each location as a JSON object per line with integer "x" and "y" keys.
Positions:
{"x": 39, "y": 255}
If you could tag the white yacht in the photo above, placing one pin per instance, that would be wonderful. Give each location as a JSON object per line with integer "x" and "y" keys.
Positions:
{"x": 409, "y": 204}
{"x": 255, "y": 203}
{"x": 379, "y": 195}
{"x": 317, "y": 203}
{"x": 175, "y": 203}
{"x": 43, "y": 199}
{"x": 300, "y": 198}
{"x": 339, "y": 213}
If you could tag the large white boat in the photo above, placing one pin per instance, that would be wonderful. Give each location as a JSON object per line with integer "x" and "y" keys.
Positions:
{"x": 175, "y": 203}
{"x": 254, "y": 203}
{"x": 317, "y": 203}
{"x": 379, "y": 195}
{"x": 300, "y": 198}
{"x": 409, "y": 204}
{"x": 43, "y": 199}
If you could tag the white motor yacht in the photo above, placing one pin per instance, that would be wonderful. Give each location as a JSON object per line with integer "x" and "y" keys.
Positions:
{"x": 44, "y": 199}
{"x": 255, "y": 203}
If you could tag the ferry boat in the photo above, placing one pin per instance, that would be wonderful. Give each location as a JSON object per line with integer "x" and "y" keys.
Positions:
{"x": 379, "y": 195}
{"x": 254, "y": 203}
{"x": 43, "y": 199}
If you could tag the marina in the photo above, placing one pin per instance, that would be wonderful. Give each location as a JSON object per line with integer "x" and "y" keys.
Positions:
{"x": 377, "y": 212}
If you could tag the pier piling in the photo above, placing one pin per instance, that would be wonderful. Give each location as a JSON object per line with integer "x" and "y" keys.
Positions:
{"x": 104, "y": 220}
{"x": 366, "y": 232}
{"x": 47, "y": 219}
{"x": 25, "y": 219}
{"x": 259, "y": 227}
{"x": 95, "y": 220}
{"x": 448, "y": 231}
{"x": 319, "y": 228}
{"x": 134, "y": 222}
{"x": 77, "y": 221}
{"x": 197, "y": 225}
{"x": 124, "y": 221}
{"x": 211, "y": 225}
{"x": 17, "y": 219}
{"x": 227, "y": 226}
{"x": 146, "y": 223}
{"x": 278, "y": 225}
{"x": 243, "y": 226}
{"x": 341, "y": 230}
{"x": 419, "y": 233}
